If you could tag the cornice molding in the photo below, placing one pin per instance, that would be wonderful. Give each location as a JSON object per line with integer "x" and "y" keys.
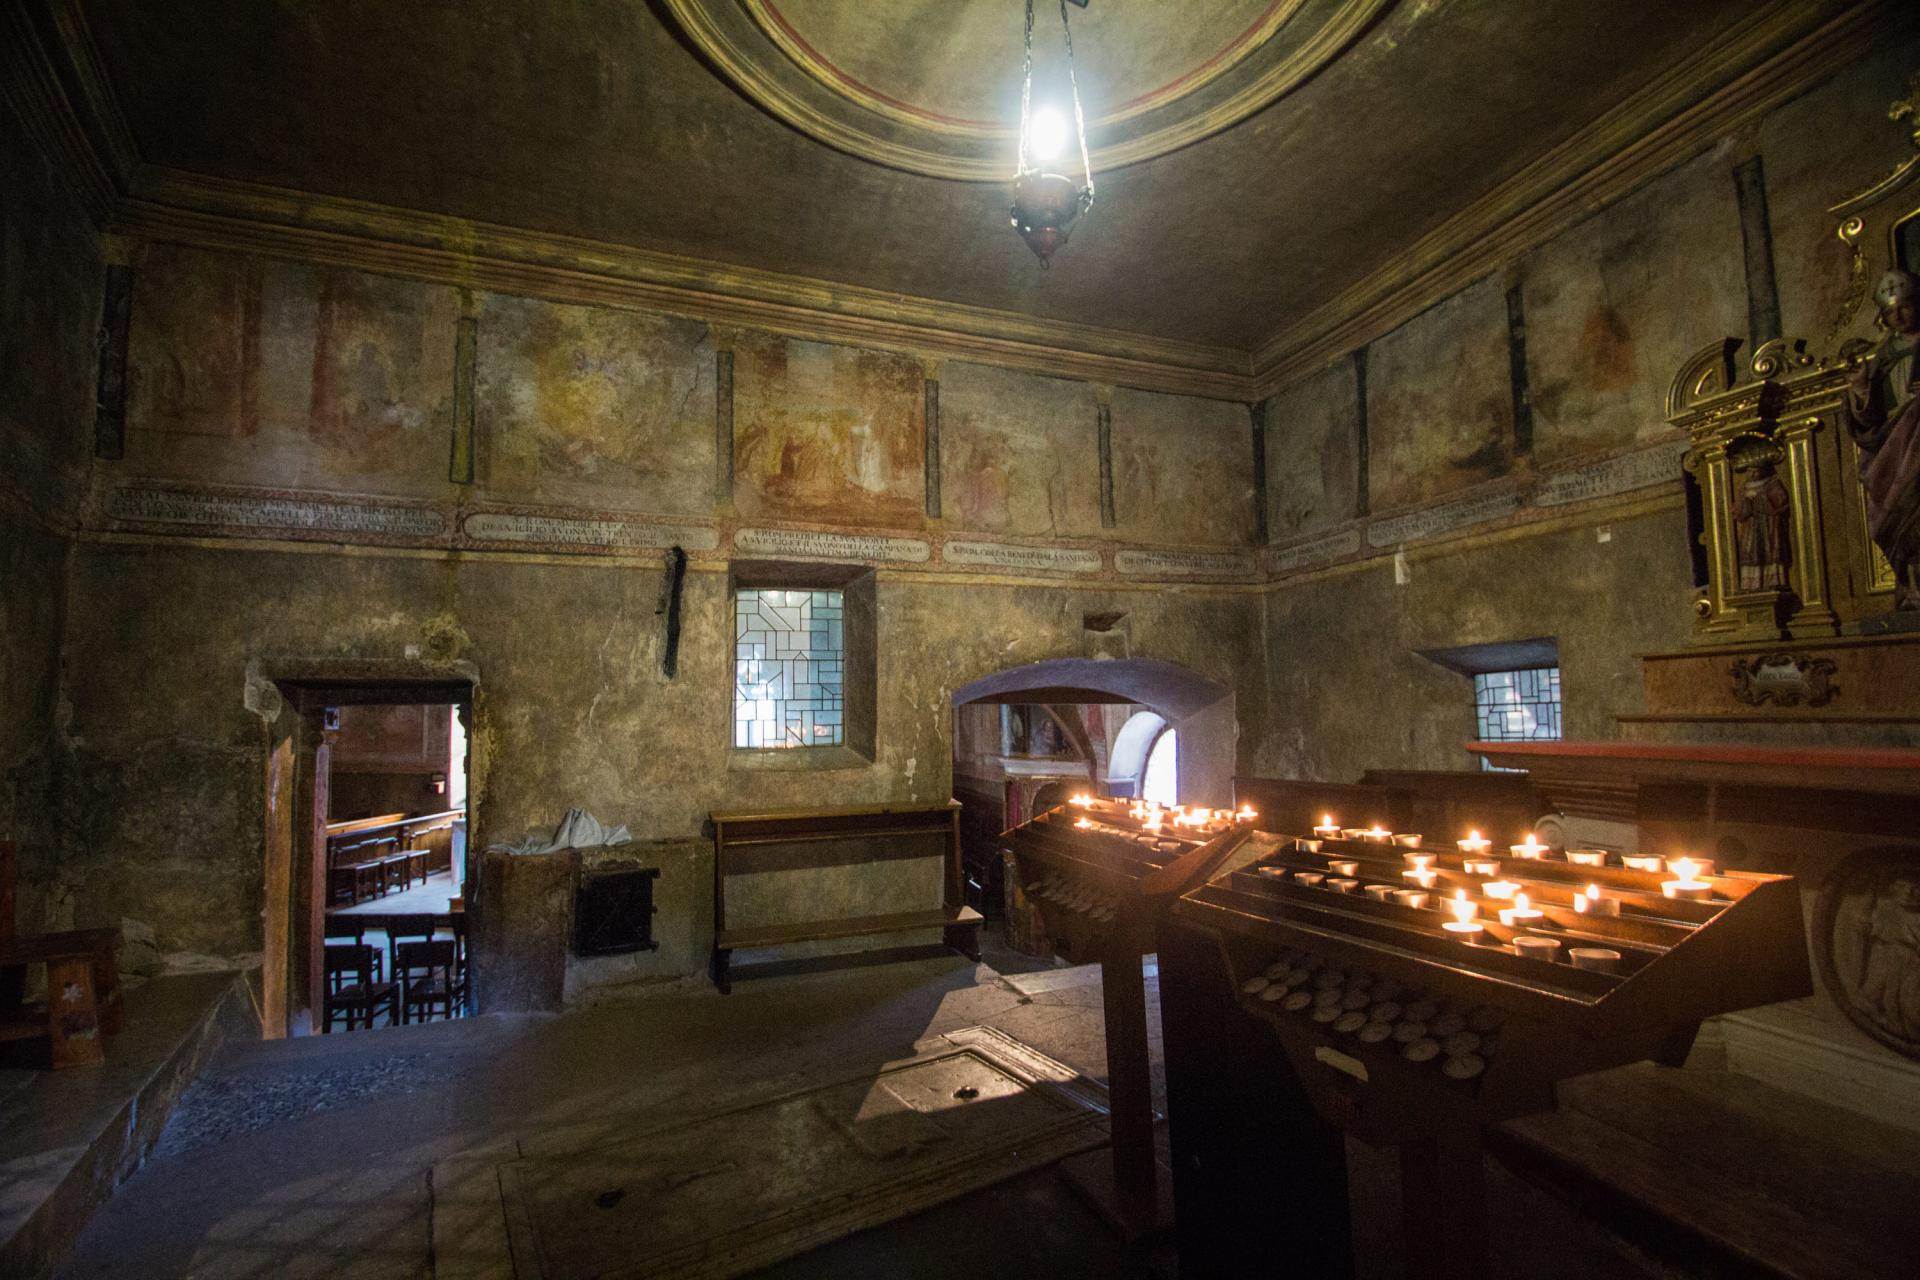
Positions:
{"x": 31, "y": 84}
{"x": 190, "y": 209}
{"x": 1757, "y": 66}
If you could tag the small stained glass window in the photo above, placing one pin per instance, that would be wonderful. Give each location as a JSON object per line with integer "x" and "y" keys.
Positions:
{"x": 1518, "y": 706}
{"x": 788, "y": 651}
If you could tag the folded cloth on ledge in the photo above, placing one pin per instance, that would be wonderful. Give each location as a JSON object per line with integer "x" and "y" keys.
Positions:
{"x": 578, "y": 830}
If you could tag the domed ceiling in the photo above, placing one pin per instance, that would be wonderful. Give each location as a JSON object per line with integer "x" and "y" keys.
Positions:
{"x": 933, "y": 86}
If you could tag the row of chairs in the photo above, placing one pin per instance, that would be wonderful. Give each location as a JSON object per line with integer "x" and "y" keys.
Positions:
{"x": 362, "y": 872}
{"x": 417, "y": 977}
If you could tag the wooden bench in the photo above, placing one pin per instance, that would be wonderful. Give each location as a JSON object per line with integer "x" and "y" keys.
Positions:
{"x": 83, "y": 984}
{"x": 744, "y": 843}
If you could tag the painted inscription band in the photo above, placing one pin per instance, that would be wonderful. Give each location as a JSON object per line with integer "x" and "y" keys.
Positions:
{"x": 1313, "y": 554}
{"x": 1658, "y": 465}
{"x": 1443, "y": 519}
{"x": 1001, "y": 555}
{"x": 564, "y": 531}
{"x": 1181, "y": 564}
{"x": 234, "y": 511}
{"x": 802, "y": 545}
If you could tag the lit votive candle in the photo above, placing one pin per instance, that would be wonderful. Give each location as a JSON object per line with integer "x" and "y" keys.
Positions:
{"x": 1376, "y": 834}
{"x": 1537, "y": 948}
{"x": 1500, "y": 888}
{"x": 1688, "y": 885}
{"x": 1587, "y": 857}
{"x": 1481, "y": 866}
{"x": 1378, "y": 892}
{"x": 1084, "y": 823}
{"x": 1463, "y": 925}
{"x": 1084, "y": 800}
{"x": 1410, "y": 898}
{"x": 1640, "y": 862}
{"x": 1599, "y": 959}
{"x": 1312, "y": 879}
{"x": 1592, "y": 904}
{"x": 1419, "y": 861}
{"x": 1344, "y": 867}
{"x": 1342, "y": 884}
{"x": 1528, "y": 848}
{"x": 1328, "y": 828}
{"x": 1522, "y": 912}
{"x": 1246, "y": 814}
{"x": 1420, "y": 876}
{"x": 1694, "y": 867}
{"x": 1475, "y": 844}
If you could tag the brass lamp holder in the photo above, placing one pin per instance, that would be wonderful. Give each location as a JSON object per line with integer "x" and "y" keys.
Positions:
{"x": 1047, "y": 205}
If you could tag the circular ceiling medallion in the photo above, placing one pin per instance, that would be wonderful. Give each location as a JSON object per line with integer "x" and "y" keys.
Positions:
{"x": 933, "y": 86}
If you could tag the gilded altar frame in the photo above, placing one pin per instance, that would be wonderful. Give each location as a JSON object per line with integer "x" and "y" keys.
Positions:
{"x": 1791, "y": 412}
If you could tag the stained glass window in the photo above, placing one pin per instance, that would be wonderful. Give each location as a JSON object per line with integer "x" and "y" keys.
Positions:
{"x": 788, "y": 649}
{"x": 1518, "y": 706}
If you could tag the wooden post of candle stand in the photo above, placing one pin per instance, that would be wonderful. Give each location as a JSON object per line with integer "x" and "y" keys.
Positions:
{"x": 1443, "y": 1197}
{"x": 1129, "y": 1085}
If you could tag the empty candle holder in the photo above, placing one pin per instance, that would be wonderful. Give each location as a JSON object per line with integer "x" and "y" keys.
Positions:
{"x": 1503, "y": 889}
{"x": 1481, "y": 866}
{"x": 1406, "y": 841}
{"x": 1312, "y": 879}
{"x": 1410, "y": 897}
{"x": 1308, "y": 846}
{"x": 1379, "y": 892}
{"x": 1537, "y": 948}
{"x": 1419, "y": 861}
{"x": 1598, "y": 959}
{"x": 1641, "y": 862}
{"x": 1344, "y": 867}
{"x": 1587, "y": 857}
{"x": 1342, "y": 884}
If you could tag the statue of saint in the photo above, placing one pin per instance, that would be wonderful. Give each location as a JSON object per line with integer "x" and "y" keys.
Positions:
{"x": 1883, "y": 416}
{"x": 1760, "y": 516}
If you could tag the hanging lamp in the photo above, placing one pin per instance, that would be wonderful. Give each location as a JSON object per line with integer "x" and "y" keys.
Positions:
{"x": 1047, "y": 205}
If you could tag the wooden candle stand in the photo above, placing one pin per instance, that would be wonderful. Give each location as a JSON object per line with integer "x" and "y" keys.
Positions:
{"x": 1395, "y": 1032}
{"x": 1102, "y": 892}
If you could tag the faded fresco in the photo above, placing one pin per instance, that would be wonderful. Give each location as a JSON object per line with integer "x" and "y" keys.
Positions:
{"x": 248, "y": 371}
{"x": 1820, "y": 149}
{"x": 1440, "y": 400}
{"x": 593, "y": 405}
{"x": 1312, "y": 462}
{"x": 1019, "y": 454}
{"x": 827, "y": 433}
{"x": 1616, "y": 305}
{"x": 1182, "y": 468}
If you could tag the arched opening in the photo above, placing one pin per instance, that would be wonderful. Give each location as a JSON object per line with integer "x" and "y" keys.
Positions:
{"x": 1028, "y": 737}
{"x": 1161, "y": 781}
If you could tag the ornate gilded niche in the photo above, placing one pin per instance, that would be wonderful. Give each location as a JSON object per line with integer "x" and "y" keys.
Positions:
{"x": 1783, "y": 515}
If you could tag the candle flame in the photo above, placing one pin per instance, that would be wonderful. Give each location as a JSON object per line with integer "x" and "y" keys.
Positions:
{"x": 1520, "y": 902}
{"x": 1685, "y": 868}
{"x": 1593, "y": 892}
{"x": 1463, "y": 910}
{"x": 1473, "y": 836}
{"x": 1326, "y": 819}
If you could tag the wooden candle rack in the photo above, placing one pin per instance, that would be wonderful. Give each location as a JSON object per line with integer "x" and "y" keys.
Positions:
{"x": 1400, "y": 1034}
{"x": 1102, "y": 892}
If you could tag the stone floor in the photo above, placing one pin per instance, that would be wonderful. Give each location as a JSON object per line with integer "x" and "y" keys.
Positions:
{"x": 311, "y": 1157}
{"x": 429, "y": 897}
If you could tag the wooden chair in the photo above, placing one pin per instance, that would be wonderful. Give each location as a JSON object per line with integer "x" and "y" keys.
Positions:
{"x": 351, "y": 992}
{"x": 354, "y": 929}
{"x": 425, "y": 971}
{"x": 407, "y": 928}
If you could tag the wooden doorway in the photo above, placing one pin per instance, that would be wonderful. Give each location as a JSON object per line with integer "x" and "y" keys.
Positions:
{"x": 304, "y": 737}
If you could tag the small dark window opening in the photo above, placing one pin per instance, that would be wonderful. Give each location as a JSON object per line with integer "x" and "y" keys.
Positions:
{"x": 613, "y": 913}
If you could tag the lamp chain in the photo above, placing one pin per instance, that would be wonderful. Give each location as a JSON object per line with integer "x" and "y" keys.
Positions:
{"x": 1073, "y": 82}
{"x": 1026, "y": 89}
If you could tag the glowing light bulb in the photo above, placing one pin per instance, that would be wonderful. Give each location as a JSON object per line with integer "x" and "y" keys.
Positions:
{"x": 1046, "y": 135}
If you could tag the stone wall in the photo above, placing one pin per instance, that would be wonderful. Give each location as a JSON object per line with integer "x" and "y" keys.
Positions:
{"x": 1418, "y": 498}
{"x": 49, "y": 308}
{"x": 292, "y": 492}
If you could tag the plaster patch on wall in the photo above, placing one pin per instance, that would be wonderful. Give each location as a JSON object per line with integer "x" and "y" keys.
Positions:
{"x": 828, "y": 433}
{"x": 1018, "y": 452}
{"x": 1440, "y": 400}
{"x": 1182, "y": 468}
{"x": 595, "y": 405}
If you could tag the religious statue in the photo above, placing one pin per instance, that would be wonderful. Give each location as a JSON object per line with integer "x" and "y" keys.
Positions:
{"x": 1883, "y": 416}
{"x": 1760, "y": 527}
